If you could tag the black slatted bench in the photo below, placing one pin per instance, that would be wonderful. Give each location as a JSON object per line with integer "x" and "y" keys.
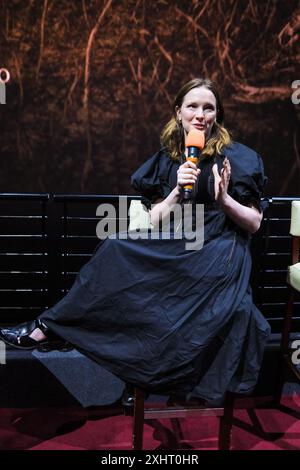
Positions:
{"x": 46, "y": 238}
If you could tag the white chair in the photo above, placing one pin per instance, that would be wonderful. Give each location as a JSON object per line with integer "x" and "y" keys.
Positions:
{"x": 293, "y": 280}
{"x": 139, "y": 217}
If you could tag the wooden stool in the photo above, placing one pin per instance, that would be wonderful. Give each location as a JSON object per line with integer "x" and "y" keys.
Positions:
{"x": 293, "y": 280}
{"x": 142, "y": 413}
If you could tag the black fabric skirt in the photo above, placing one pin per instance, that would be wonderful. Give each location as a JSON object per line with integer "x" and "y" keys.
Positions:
{"x": 166, "y": 318}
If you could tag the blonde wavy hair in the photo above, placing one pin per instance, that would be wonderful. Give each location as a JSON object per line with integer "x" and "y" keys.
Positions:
{"x": 172, "y": 136}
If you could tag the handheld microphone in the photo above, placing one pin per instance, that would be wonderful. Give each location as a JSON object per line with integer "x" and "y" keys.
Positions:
{"x": 195, "y": 142}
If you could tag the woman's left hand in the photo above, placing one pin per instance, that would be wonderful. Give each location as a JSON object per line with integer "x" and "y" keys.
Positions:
{"x": 222, "y": 181}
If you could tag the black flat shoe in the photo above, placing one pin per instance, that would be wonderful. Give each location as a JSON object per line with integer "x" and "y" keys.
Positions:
{"x": 127, "y": 398}
{"x": 18, "y": 336}
{"x": 181, "y": 400}
{"x": 57, "y": 344}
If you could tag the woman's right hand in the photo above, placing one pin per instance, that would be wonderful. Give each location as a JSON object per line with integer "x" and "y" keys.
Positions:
{"x": 187, "y": 173}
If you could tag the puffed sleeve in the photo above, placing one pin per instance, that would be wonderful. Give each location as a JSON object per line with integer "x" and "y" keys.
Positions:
{"x": 247, "y": 175}
{"x": 151, "y": 179}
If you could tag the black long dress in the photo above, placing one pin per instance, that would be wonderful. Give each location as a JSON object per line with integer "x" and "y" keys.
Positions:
{"x": 167, "y": 318}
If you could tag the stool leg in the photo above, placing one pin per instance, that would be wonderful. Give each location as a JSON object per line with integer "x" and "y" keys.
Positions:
{"x": 138, "y": 419}
{"x": 284, "y": 346}
{"x": 280, "y": 381}
{"x": 225, "y": 427}
{"x": 287, "y": 323}
{"x": 177, "y": 428}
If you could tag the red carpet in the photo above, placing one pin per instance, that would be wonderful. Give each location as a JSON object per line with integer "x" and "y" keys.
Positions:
{"x": 70, "y": 429}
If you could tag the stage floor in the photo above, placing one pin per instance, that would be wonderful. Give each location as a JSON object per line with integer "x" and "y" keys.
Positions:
{"x": 56, "y": 428}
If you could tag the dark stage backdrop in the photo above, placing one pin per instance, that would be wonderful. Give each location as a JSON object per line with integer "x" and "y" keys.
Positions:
{"x": 92, "y": 82}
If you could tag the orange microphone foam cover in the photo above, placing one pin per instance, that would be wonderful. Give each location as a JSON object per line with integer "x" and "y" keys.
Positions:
{"x": 195, "y": 142}
{"x": 195, "y": 138}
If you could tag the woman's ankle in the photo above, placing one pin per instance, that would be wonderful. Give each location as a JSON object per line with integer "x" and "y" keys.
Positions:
{"x": 37, "y": 335}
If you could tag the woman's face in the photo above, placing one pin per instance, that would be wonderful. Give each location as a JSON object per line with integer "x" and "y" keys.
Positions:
{"x": 198, "y": 110}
